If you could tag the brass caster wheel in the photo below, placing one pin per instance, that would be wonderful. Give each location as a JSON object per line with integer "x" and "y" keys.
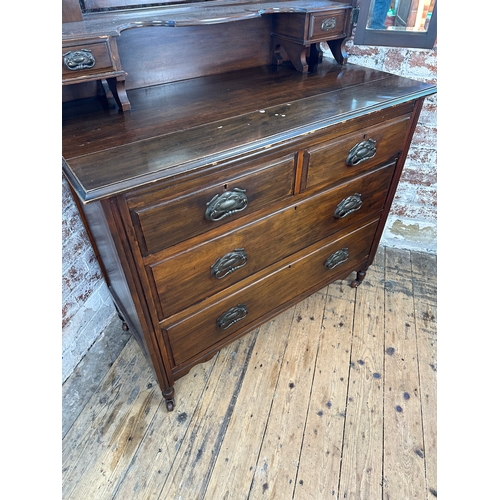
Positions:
{"x": 170, "y": 405}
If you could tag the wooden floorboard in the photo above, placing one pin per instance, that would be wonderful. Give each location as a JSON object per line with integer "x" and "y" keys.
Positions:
{"x": 362, "y": 450}
{"x": 404, "y": 472}
{"x": 335, "y": 398}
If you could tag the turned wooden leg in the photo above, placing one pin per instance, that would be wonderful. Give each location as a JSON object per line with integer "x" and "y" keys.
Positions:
{"x": 168, "y": 394}
{"x": 360, "y": 276}
{"x": 122, "y": 319}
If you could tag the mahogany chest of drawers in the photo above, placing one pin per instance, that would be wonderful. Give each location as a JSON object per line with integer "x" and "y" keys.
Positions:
{"x": 217, "y": 202}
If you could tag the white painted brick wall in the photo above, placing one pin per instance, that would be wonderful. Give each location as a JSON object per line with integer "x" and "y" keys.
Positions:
{"x": 87, "y": 307}
{"x": 85, "y": 326}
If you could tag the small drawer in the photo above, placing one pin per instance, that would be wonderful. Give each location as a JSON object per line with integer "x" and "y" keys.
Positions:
{"x": 191, "y": 275}
{"x": 86, "y": 59}
{"x": 327, "y": 25}
{"x": 165, "y": 223}
{"x": 346, "y": 157}
{"x": 324, "y": 262}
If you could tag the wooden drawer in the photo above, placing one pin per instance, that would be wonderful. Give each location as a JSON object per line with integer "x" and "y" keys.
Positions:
{"x": 81, "y": 60}
{"x": 327, "y": 25}
{"x": 343, "y": 158}
{"x": 193, "y": 274}
{"x": 307, "y": 28}
{"x": 162, "y": 223}
{"x": 254, "y": 300}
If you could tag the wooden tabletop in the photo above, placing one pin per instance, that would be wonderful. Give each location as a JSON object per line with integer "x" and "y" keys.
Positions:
{"x": 183, "y": 125}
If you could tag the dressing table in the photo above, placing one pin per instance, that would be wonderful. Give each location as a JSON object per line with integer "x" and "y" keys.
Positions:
{"x": 224, "y": 169}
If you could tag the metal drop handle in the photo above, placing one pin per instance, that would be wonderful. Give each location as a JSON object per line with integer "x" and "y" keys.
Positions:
{"x": 348, "y": 206}
{"x": 229, "y": 263}
{"x": 361, "y": 152}
{"x": 328, "y": 24}
{"x": 226, "y": 204}
{"x": 232, "y": 316}
{"x": 337, "y": 258}
{"x": 76, "y": 60}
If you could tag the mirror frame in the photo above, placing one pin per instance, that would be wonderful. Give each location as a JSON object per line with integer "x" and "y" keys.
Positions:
{"x": 389, "y": 38}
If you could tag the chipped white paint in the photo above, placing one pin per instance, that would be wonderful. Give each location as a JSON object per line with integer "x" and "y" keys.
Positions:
{"x": 410, "y": 234}
{"x": 85, "y": 326}
{"x": 86, "y": 303}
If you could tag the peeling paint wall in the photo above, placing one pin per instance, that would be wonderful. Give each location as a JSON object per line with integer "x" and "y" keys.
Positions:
{"x": 87, "y": 307}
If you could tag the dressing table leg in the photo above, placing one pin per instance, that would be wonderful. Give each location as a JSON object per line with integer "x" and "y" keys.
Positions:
{"x": 168, "y": 394}
{"x": 117, "y": 87}
{"x": 315, "y": 55}
{"x": 338, "y": 50}
{"x": 297, "y": 54}
{"x": 125, "y": 327}
{"x": 360, "y": 276}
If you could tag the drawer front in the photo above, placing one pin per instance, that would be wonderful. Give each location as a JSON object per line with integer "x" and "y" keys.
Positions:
{"x": 86, "y": 59}
{"x": 323, "y": 263}
{"x": 190, "y": 276}
{"x": 341, "y": 159}
{"x": 327, "y": 25}
{"x": 199, "y": 211}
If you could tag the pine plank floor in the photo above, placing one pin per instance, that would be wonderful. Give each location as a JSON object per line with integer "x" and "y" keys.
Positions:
{"x": 333, "y": 399}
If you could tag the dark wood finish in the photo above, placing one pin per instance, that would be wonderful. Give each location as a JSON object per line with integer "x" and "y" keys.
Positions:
{"x": 297, "y": 34}
{"x": 199, "y": 14}
{"x": 189, "y": 52}
{"x": 166, "y": 222}
{"x": 223, "y": 126}
{"x": 100, "y": 50}
{"x": 236, "y": 93}
{"x": 326, "y": 162}
{"x": 106, "y": 66}
{"x": 184, "y": 278}
{"x": 90, "y": 5}
{"x": 71, "y": 11}
{"x": 170, "y": 51}
{"x": 235, "y": 157}
{"x": 270, "y": 290}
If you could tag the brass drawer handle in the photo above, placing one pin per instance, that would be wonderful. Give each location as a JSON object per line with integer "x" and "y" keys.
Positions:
{"x": 79, "y": 59}
{"x": 328, "y": 24}
{"x": 361, "y": 152}
{"x": 337, "y": 258}
{"x": 226, "y": 204}
{"x": 348, "y": 206}
{"x": 229, "y": 263}
{"x": 232, "y": 316}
